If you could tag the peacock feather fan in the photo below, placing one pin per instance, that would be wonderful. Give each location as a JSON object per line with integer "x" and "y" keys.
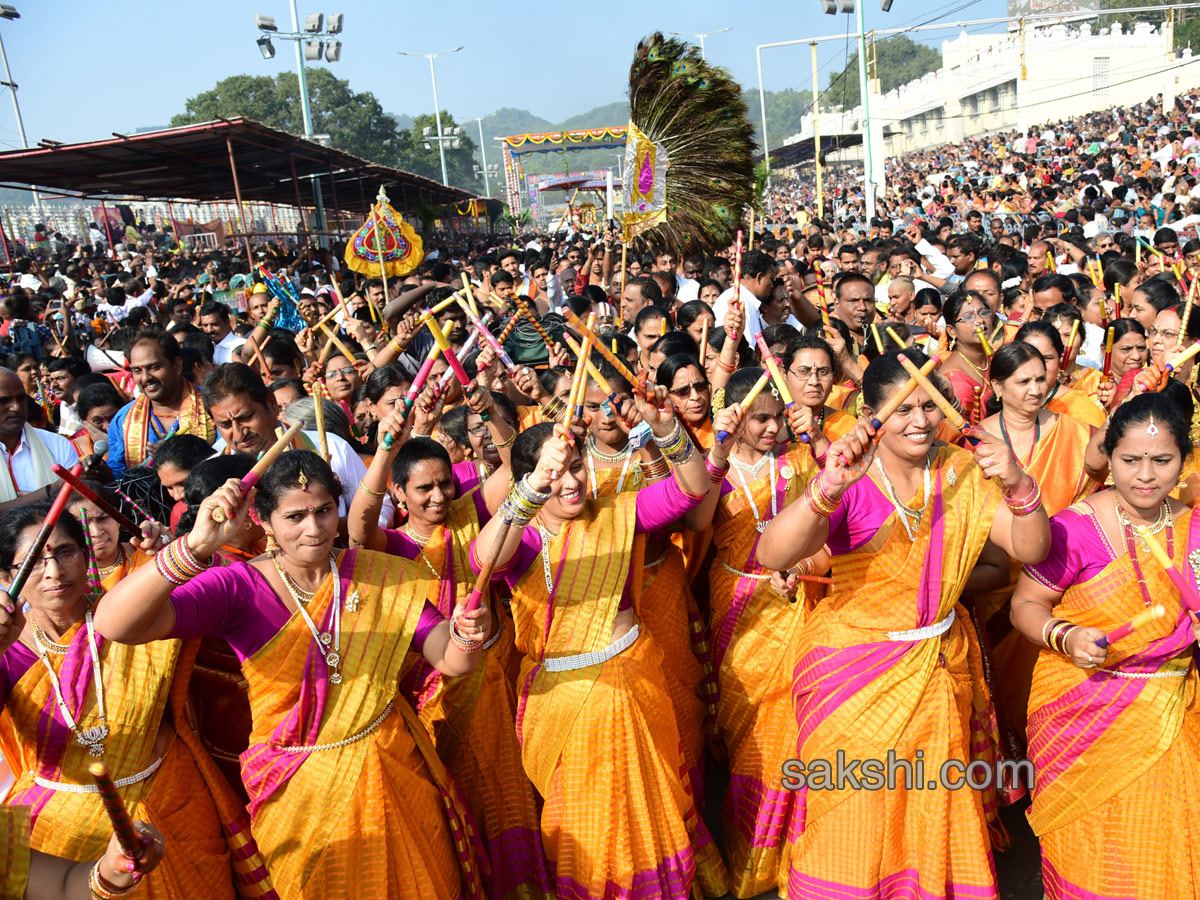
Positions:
{"x": 693, "y": 114}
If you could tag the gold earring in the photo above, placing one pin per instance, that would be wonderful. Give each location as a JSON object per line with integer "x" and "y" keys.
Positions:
{"x": 272, "y": 545}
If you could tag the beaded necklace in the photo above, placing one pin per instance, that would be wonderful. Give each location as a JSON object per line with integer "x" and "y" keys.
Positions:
{"x": 422, "y": 543}
{"x": 323, "y": 639}
{"x": 91, "y": 738}
{"x": 742, "y": 468}
{"x": 1165, "y": 520}
{"x": 594, "y": 453}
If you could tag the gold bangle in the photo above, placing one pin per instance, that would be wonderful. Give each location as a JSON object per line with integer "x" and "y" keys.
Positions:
{"x": 377, "y": 495}
{"x": 102, "y": 889}
{"x": 500, "y": 445}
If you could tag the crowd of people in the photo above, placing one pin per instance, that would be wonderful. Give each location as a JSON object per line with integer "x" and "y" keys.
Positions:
{"x": 464, "y": 583}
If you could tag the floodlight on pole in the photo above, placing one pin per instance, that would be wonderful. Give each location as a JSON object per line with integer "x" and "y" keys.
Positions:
{"x": 265, "y": 23}
{"x": 333, "y": 23}
{"x": 267, "y": 48}
{"x": 10, "y": 13}
{"x": 333, "y": 51}
{"x": 313, "y": 22}
{"x": 437, "y": 110}
{"x": 487, "y": 189}
{"x": 314, "y": 50}
{"x": 701, "y": 35}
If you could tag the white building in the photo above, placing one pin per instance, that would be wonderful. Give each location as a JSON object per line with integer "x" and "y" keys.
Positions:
{"x": 1070, "y": 70}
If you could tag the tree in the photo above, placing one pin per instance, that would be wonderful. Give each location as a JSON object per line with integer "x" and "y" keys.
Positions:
{"x": 460, "y": 163}
{"x": 785, "y": 111}
{"x": 355, "y": 122}
{"x": 898, "y": 59}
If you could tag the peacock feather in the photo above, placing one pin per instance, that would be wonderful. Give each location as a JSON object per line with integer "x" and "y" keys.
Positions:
{"x": 695, "y": 112}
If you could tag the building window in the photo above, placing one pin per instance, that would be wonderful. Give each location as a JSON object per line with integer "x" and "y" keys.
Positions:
{"x": 1100, "y": 75}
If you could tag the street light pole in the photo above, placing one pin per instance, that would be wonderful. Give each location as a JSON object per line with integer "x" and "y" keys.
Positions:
{"x": 437, "y": 109}
{"x": 12, "y": 86}
{"x": 701, "y": 36}
{"x": 762, "y": 105}
{"x": 863, "y": 94}
{"x": 487, "y": 190}
{"x": 306, "y": 115}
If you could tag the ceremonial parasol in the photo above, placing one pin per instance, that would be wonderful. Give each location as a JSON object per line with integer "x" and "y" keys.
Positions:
{"x": 402, "y": 249}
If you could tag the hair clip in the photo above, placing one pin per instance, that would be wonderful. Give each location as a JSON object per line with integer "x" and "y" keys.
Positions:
{"x": 303, "y": 482}
{"x": 1152, "y": 429}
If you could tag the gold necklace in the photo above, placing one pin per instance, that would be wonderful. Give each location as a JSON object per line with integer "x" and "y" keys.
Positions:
{"x": 301, "y": 596}
{"x": 1164, "y": 519}
{"x": 108, "y": 570}
{"x": 981, "y": 371}
{"x": 594, "y": 450}
{"x": 43, "y": 641}
{"x": 422, "y": 543}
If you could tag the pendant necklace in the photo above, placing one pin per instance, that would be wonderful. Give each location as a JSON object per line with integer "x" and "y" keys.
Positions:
{"x": 91, "y": 738}
{"x": 910, "y": 518}
{"x": 742, "y": 469}
{"x": 324, "y": 639}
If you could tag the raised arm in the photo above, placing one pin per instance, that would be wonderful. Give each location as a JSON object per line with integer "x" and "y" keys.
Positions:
{"x": 138, "y": 609}
{"x": 362, "y": 520}
{"x": 1021, "y": 527}
{"x": 729, "y": 420}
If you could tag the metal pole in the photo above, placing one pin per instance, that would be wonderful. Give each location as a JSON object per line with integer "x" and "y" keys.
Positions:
{"x": 487, "y": 190}
{"x": 437, "y": 111}
{"x": 817, "y": 133}
{"x": 762, "y": 103}
{"x": 868, "y": 166}
{"x": 306, "y": 113}
{"x": 702, "y": 55}
{"x": 12, "y": 86}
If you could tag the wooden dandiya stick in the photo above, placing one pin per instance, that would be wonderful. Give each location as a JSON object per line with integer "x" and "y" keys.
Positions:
{"x": 508, "y": 328}
{"x": 983, "y": 342}
{"x": 1187, "y": 594}
{"x": 822, "y": 299}
{"x": 748, "y": 400}
{"x": 34, "y": 555}
{"x": 318, "y": 395}
{"x": 250, "y": 479}
{"x": 1067, "y": 354}
{"x": 814, "y": 579}
{"x": 1182, "y": 358}
{"x": 1187, "y": 310}
{"x": 579, "y": 382}
{"x": 893, "y": 402}
{"x": 337, "y": 342}
{"x": 1108, "y": 348}
{"x": 118, "y": 815}
{"x": 93, "y": 567}
{"x": 750, "y": 245}
{"x": 537, "y": 326}
{"x": 418, "y": 384}
{"x": 137, "y": 507}
{"x": 1117, "y": 300}
{"x": 600, "y": 380}
{"x": 736, "y": 299}
{"x": 876, "y": 338}
{"x": 439, "y": 338}
{"x": 71, "y": 477}
{"x": 1141, "y": 620}
{"x": 952, "y": 415}
{"x": 624, "y": 252}
{"x": 891, "y": 332}
{"x": 469, "y": 294}
{"x": 444, "y": 304}
{"x": 703, "y": 340}
{"x": 615, "y": 361}
{"x": 257, "y": 354}
{"x": 780, "y": 382}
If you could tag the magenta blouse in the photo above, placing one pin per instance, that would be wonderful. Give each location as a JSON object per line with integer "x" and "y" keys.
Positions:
{"x": 658, "y": 506}
{"x": 237, "y": 603}
{"x": 1079, "y": 551}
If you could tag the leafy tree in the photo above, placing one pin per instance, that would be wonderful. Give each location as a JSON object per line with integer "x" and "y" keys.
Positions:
{"x": 899, "y": 60}
{"x": 355, "y": 122}
{"x": 459, "y": 163}
{"x": 785, "y": 110}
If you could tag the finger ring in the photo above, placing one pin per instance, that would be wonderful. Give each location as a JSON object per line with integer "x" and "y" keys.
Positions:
{"x": 1091, "y": 660}
{"x": 218, "y": 515}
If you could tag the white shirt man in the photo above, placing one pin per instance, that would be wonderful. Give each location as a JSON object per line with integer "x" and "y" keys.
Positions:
{"x": 223, "y": 350}
{"x": 754, "y": 323}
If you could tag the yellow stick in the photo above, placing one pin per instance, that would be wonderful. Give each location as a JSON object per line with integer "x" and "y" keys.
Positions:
{"x": 891, "y": 332}
{"x": 342, "y": 348}
{"x": 951, "y": 414}
{"x": 318, "y": 395}
{"x": 469, "y": 293}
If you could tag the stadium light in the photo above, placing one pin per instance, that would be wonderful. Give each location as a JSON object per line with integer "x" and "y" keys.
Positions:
{"x": 333, "y": 23}
{"x": 313, "y": 22}
{"x": 267, "y": 48}
{"x": 265, "y": 23}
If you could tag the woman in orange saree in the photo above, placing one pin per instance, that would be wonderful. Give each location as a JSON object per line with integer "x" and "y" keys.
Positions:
{"x": 71, "y": 697}
{"x": 471, "y": 719}
{"x": 619, "y": 818}
{"x": 1072, "y": 401}
{"x": 756, "y": 622}
{"x": 1114, "y": 731}
{"x": 808, "y": 366}
{"x": 1063, "y": 456}
{"x": 887, "y": 665}
{"x": 346, "y": 792}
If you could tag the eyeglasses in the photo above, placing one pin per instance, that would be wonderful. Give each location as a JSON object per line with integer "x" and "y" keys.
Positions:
{"x": 479, "y": 430}
{"x": 345, "y": 372}
{"x": 1153, "y": 332}
{"x": 806, "y": 372}
{"x": 975, "y": 317}
{"x": 698, "y": 387}
{"x": 63, "y": 557}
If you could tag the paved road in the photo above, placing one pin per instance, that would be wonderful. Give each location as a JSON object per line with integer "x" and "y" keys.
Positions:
{"x": 1018, "y": 869}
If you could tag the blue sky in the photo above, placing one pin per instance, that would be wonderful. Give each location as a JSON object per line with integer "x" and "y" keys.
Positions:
{"x": 86, "y": 68}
